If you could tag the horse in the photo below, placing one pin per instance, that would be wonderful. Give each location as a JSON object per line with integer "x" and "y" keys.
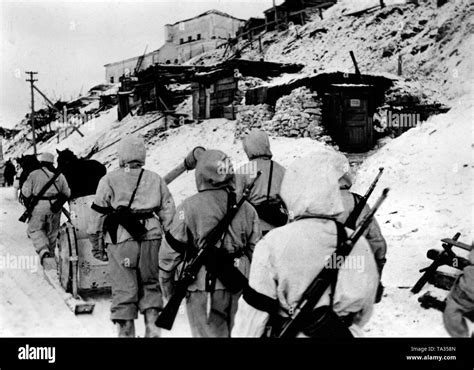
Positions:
{"x": 28, "y": 163}
{"x": 82, "y": 174}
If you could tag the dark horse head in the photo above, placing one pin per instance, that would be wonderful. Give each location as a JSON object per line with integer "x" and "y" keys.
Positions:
{"x": 28, "y": 164}
{"x": 65, "y": 157}
{"x": 82, "y": 175}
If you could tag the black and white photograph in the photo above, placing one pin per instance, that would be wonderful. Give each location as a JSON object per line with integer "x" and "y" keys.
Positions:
{"x": 293, "y": 171}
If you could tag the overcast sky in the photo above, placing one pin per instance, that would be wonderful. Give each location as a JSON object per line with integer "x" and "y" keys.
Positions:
{"x": 68, "y": 42}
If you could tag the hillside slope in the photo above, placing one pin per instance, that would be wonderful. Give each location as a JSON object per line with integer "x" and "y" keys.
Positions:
{"x": 435, "y": 44}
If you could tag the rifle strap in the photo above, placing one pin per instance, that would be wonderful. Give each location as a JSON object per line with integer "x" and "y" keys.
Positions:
{"x": 341, "y": 237}
{"x": 43, "y": 190}
{"x": 261, "y": 301}
{"x": 356, "y": 211}
{"x": 270, "y": 180}
{"x": 107, "y": 210}
{"x": 264, "y": 303}
{"x": 102, "y": 210}
{"x": 54, "y": 183}
{"x": 136, "y": 188}
{"x": 211, "y": 265}
{"x": 177, "y": 245}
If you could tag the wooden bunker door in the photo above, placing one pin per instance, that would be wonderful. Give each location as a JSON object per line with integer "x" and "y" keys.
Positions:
{"x": 348, "y": 111}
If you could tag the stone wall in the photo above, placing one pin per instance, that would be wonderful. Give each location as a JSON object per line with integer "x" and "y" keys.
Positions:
{"x": 295, "y": 115}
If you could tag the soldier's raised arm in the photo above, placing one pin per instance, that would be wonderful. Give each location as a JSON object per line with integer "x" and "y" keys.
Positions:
{"x": 167, "y": 208}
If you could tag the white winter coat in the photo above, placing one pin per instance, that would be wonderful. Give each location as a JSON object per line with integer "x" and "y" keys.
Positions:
{"x": 288, "y": 258}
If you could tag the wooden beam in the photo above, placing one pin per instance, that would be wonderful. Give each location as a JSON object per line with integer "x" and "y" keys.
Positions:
{"x": 357, "y": 71}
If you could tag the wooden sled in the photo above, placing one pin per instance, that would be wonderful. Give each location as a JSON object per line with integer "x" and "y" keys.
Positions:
{"x": 76, "y": 304}
{"x": 76, "y": 272}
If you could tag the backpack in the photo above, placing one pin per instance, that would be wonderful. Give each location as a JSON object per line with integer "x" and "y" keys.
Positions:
{"x": 272, "y": 210}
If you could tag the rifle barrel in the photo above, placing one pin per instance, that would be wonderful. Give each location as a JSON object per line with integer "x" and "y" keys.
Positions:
{"x": 374, "y": 184}
{"x": 322, "y": 281}
{"x": 368, "y": 217}
{"x": 168, "y": 315}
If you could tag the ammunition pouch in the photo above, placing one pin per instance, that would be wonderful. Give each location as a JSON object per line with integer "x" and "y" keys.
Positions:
{"x": 129, "y": 220}
{"x": 325, "y": 323}
{"x": 59, "y": 203}
{"x": 221, "y": 264}
{"x": 273, "y": 211}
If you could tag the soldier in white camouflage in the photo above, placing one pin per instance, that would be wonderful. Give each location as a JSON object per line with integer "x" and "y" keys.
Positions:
{"x": 43, "y": 226}
{"x": 133, "y": 261}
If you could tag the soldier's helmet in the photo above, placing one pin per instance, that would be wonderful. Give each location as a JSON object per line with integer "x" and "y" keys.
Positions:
{"x": 214, "y": 171}
{"x": 46, "y": 157}
{"x": 131, "y": 149}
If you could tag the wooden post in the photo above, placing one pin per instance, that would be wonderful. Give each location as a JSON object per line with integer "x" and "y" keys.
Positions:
{"x": 276, "y": 15}
{"x": 157, "y": 105}
{"x": 399, "y": 71}
{"x": 260, "y": 43}
{"x": 208, "y": 103}
{"x": 196, "y": 112}
{"x": 321, "y": 13}
{"x": 32, "y": 118}
{"x": 382, "y": 5}
{"x": 302, "y": 14}
{"x": 355, "y": 63}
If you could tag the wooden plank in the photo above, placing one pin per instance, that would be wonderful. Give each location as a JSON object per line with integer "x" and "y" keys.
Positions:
{"x": 226, "y": 80}
{"x": 76, "y": 305}
{"x": 229, "y": 86}
{"x": 360, "y": 12}
{"x": 455, "y": 243}
{"x": 224, "y": 94}
{"x": 443, "y": 280}
{"x": 224, "y": 100}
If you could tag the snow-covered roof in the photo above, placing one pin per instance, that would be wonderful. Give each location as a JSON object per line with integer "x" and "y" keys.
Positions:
{"x": 212, "y": 11}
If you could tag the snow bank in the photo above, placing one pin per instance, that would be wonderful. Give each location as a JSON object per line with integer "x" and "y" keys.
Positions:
{"x": 214, "y": 134}
{"x": 429, "y": 172}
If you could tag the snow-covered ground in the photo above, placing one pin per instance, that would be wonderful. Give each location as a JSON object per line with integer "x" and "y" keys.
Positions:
{"x": 29, "y": 306}
{"x": 428, "y": 168}
{"x": 429, "y": 171}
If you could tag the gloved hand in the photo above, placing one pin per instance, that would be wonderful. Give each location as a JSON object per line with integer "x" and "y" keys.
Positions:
{"x": 98, "y": 249}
